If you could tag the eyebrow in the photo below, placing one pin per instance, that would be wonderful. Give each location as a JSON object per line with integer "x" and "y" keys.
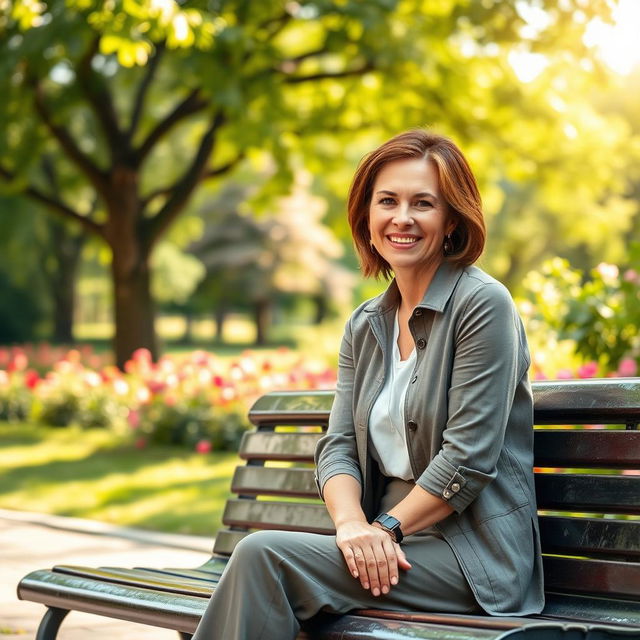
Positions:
{"x": 420, "y": 194}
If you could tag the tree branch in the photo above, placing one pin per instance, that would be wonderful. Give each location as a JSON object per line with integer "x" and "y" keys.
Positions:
{"x": 368, "y": 66}
{"x": 68, "y": 144}
{"x": 99, "y": 97}
{"x": 190, "y": 105}
{"x": 56, "y": 205}
{"x": 225, "y": 168}
{"x": 143, "y": 89}
{"x": 184, "y": 187}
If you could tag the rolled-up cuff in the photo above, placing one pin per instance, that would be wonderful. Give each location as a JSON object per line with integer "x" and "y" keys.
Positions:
{"x": 334, "y": 469}
{"x": 458, "y": 486}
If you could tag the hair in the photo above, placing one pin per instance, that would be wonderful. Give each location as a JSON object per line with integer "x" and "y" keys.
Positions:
{"x": 457, "y": 185}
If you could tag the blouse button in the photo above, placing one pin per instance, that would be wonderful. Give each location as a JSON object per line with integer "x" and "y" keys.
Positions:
{"x": 446, "y": 493}
{"x": 412, "y": 425}
{"x": 421, "y": 343}
{"x": 455, "y": 487}
{"x": 417, "y": 313}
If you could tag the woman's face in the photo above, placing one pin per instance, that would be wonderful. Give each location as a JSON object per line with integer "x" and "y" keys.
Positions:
{"x": 408, "y": 218}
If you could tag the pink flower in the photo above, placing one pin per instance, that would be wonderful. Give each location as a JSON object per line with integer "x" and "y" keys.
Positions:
{"x": 19, "y": 362}
{"x": 564, "y": 374}
{"x": 588, "y": 370}
{"x": 627, "y": 368}
{"x": 133, "y": 418}
{"x": 203, "y": 446}
{"x": 140, "y": 443}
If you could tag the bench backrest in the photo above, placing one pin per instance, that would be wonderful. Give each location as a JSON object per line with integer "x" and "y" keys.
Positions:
{"x": 587, "y": 479}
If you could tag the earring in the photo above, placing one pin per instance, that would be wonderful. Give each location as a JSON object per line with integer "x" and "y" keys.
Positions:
{"x": 373, "y": 249}
{"x": 448, "y": 245}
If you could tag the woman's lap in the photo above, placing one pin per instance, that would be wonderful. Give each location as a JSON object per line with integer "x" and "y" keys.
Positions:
{"x": 316, "y": 574}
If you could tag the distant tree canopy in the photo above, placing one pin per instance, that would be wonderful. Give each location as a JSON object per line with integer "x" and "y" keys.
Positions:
{"x": 135, "y": 104}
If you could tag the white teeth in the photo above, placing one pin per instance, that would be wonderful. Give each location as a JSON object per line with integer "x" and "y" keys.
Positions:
{"x": 402, "y": 240}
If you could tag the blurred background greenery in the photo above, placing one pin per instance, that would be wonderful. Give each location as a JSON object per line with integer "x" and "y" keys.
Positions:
{"x": 173, "y": 177}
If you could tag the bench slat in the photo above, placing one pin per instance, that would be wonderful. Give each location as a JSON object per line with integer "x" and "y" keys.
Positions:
{"x": 606, "y": 577}
{"x": 140, "y": 578}
{"x": 606, "y": 401}
{"x": 274, "y": 481}
{"x": 226, "y": 541}
{"x": 587, "y": 448}
{"x": 277, "y": 515}
{"x": 273, "y": 445}
{"x": 292, "y": 408}
{"x": 587, "y": 536}
{"x": 588, "y": 492}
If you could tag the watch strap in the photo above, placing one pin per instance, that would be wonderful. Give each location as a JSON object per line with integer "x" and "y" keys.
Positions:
{"x": 391, "y": 525}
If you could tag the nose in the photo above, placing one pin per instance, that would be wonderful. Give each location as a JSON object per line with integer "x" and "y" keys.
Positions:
{"x": 403, "y": 217}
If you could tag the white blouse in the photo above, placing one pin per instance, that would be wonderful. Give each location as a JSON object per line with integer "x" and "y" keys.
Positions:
{"x": 386, "y": 422}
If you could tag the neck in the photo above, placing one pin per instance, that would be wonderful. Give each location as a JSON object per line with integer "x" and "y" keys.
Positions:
{"x": 413, "y": 286}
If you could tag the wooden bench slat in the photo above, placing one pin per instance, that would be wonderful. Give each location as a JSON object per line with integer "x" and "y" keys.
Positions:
{"x": 292, "y": 408}
{"x": 273, "y": 445}
{"x": 587, "y": 448}
{"x": 597, "y": 401}
{"x": 277, "y": 515}
{"x": 613, "y": 579}
{"x": 585, "y": 536}
{"x": 274, "y": 481}
{"x": 140, "y": 578}
{"x": 226, "y": 541}
{"x": 588, "y": 493}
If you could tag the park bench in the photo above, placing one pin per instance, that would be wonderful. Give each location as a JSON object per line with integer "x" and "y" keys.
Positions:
{"x": 588, "y": 489}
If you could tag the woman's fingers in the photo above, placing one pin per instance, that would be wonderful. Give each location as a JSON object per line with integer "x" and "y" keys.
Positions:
{"x": 371, "y": 556}
{"x": 401, "y": 558}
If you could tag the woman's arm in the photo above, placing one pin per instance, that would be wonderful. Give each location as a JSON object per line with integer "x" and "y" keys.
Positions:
{"x": 370, "y": 553}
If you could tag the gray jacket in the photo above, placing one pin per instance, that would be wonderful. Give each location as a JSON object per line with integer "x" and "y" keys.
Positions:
{"x": 469, "y": 416}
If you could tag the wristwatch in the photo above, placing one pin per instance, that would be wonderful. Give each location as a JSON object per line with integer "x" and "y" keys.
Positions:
{"x": 391, "y": 525}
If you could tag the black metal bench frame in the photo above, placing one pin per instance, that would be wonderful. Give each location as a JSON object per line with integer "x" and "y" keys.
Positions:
{"x": 588, "y": 489}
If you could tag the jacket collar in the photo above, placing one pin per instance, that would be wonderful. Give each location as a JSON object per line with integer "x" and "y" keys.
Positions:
{"x": 436, "y": 296}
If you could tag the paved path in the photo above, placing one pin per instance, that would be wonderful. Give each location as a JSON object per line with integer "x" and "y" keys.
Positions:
{"x": 31, "y": 541}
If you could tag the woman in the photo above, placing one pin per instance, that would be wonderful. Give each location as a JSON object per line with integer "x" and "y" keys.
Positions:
{"x": 426, "y": 467}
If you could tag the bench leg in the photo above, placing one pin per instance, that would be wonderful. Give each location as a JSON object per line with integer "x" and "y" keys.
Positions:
{"x": 50, "y": 623}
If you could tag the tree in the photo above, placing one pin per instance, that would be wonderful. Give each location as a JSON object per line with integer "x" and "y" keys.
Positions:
{"x": 253, "y": 262}
{"x": 140, "y": 102}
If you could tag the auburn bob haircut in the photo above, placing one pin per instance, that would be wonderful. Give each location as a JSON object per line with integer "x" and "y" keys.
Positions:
{"x": 457, "y": 185}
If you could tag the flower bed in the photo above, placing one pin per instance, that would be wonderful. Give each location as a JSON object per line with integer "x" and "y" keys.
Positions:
{"x": 198, "y": 400}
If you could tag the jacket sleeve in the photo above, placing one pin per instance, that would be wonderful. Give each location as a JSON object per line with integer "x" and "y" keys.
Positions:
{"x": 490, "y": 359}
{"x": 336, "y": 451}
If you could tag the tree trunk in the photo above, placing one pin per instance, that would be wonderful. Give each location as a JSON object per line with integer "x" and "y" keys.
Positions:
{"x": 187, "y": 336}
{"x": 134, "y": 312}
{"x": 322, "y": 307}
{"x": 262, "y": 318}
{"x": 133, "y": 306}
{"x": 66, "y": 249}
{"x": 220, "y": 315}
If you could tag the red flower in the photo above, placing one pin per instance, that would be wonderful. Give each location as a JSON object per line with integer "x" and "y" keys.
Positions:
{"x": 31, "y": 378}
{"x": 203, "y": 446}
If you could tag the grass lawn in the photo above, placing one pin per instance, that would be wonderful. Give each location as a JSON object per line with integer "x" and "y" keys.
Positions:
{"x": 96, "y": 474}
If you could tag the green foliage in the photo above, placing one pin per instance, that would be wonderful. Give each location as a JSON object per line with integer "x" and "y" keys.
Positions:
{"x": 188, "y": 423}
{"x": 599, "y": 312}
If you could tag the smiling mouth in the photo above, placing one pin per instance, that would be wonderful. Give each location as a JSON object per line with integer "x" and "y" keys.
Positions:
{"x": 403, "y": 239}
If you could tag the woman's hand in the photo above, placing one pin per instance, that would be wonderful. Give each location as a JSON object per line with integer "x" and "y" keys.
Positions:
{"x": 371, "y": 555}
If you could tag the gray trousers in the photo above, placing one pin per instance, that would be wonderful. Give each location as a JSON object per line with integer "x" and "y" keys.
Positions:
{"x": 275, "y": 579}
